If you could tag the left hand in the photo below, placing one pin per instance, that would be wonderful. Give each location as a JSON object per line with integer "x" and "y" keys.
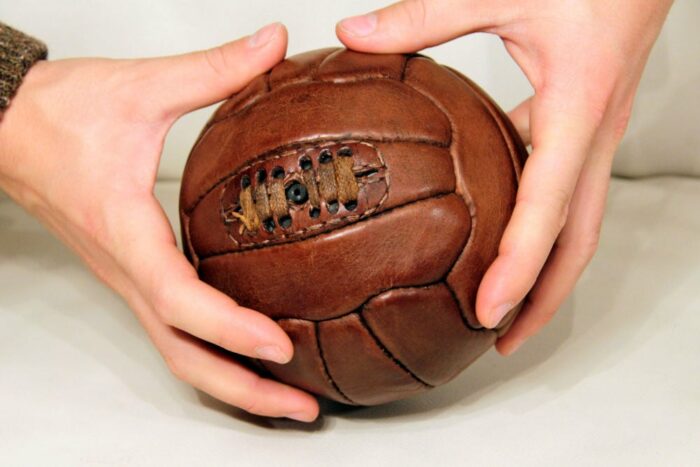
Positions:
{"x": 584, "y": 59}
{"x": 80, "y": 146}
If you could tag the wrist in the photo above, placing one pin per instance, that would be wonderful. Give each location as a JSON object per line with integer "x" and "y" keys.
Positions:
{"x": 18, "y": 52}
{"x": 17, "y": 123}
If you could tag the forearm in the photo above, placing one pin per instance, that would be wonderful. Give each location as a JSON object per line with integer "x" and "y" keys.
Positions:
{"x": 18, "y": 52}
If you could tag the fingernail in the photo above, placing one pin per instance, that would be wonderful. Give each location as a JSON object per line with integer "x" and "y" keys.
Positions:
{"x": 272, "y": 353}
{"x": 498, "y": 313}
{"x": 360, "y": 26}
{"x": 263, "y": 36}
{"x": 301, "y": 416}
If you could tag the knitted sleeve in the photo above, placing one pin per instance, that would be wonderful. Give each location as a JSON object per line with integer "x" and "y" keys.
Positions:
{"x": 18, "y": 52}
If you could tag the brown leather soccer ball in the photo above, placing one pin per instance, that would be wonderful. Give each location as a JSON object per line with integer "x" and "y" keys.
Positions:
{"x": 357, "y": 200}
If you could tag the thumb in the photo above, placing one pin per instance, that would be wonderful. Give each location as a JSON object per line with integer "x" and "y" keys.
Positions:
{"x": 182, "y": 83}
{"x": 412, "y": 25}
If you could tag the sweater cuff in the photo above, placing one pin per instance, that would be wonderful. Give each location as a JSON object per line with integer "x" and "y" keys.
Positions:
{"x": 18, "y": 52}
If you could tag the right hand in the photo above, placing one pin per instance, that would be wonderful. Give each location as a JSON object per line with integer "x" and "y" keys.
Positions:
{"x": 584, "y": 59}
{"x": 80, "y": 146}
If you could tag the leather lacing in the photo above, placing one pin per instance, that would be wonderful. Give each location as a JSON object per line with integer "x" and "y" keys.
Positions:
{"x": 333, "y": 182}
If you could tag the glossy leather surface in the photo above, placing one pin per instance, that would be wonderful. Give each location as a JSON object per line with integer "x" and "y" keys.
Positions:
{"x": 377, "y": 294}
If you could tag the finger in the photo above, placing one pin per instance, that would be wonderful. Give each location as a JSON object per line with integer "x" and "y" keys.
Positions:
{"x": 194, "y": 80}
{"x": 171, "y": 287}
{"x": 412, "y": 25}
{"x": 573, "y": 251}
{"x": 520, "y": 116}
{"x": 225, "y": 379}
{"x": 563, "y": 129}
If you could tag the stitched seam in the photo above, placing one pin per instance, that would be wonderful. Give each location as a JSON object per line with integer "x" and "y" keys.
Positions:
{"x": 497, "y": 118}
{"x": 465, "y": 247}
{"x": 388, "y": 354}
{"x": 326, "y": 59}
{"x": 302, "y": 143}
{"x": 326, "y": 370}
{"x": 466, "y": 197}
{"x": 410, "y": 57}
{"x": 466, "y": 322}
{"x": 292, "y": 242}
{"x": 359, "y": 309}
{"x": 515, "y": 164}
{"x": 283, "y": 238}
{"x": 303, "y": 83}
{"x": 187, "y": 241}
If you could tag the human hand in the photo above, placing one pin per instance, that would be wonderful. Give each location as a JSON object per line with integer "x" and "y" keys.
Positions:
{"x": 584, "y": 59}
{"x": 79, "y": 149}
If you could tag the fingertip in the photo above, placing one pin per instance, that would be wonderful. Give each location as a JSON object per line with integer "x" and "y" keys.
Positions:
{"x": 282, "y": 37}
{"x": 507, "y": 346}
{"x": 496, "y": 314}
{"x": 356, "y": 26}
{"x": 307, "y": 415}
{"x": 202, "y": 310}
{"x": 273, "y": 353}
{"x": 519, "y": 332}
{"x": 269, "y": 34}
{"x": 187, "y": 82}
{"x": 275, "y": 342}
{"x": 494, "y": 299}
{"x": 363, "y": 34}
{"x": 287, "y": 401}
{"x": 268, "y": 46}
{"x": 342, "y": 37}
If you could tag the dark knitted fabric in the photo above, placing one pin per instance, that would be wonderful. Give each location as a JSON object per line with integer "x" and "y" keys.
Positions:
{"x": 18, "y": 52}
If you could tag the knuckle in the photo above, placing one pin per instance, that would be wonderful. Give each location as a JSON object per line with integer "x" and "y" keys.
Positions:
{"x": 416, "y": 13}
{"x": 586, "y": 245}
{"x": 559, "y": 202}
{"x": 554, "y": 203}
{"x": 600, "y": 92}
{"x": 597, "y": 107}
{"x": 222, "y": 337}
{"x": 217, "y": 61}
{"x": 252, "y": 402}
{"x": 162, "y": 305}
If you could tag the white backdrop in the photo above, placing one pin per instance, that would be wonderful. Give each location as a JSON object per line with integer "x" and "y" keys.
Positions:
{"x": 664, "y": 133}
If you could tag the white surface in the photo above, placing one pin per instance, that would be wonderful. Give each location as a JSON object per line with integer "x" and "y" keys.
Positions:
{"x": 663, "y": 136}
{"x": 613, "y": 380}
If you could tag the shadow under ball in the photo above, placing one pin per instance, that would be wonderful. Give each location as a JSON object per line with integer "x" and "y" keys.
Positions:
{"x": 357, "y": 200}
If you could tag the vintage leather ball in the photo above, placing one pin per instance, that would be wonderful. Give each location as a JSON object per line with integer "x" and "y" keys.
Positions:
{"x": 357, "y": 200}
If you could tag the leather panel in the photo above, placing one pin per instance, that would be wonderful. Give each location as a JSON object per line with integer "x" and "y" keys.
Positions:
{"x": 329, "y": 275}
{"x": 422, "y": 327}
{"x": 484, "y": 157}
{"x": 299, "y": 68}
{"x": 306, "y": 370}
{"x": 245, "y": 97}
{"x": 322, "y": 111}
{"x": 414, "y": 171}
{"x": 347, "y": 65}
{"x": 373, "y": 379}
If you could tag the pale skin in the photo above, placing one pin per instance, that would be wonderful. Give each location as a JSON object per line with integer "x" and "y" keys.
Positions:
{"x": 584, "y": 60}
{"x": 81, "y": 142}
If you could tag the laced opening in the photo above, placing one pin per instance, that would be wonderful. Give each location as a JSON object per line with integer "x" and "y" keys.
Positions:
{"x": 333, "y": 182}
